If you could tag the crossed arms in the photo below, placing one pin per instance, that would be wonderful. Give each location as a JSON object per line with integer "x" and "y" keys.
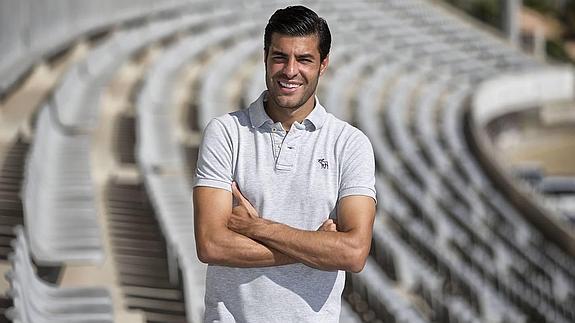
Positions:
{"x": 239, "y": 237}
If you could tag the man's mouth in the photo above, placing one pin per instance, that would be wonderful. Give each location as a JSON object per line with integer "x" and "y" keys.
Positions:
{"x": 287, "y": 85}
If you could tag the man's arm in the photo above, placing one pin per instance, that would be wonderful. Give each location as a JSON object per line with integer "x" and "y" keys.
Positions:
{"x": 347, "y": 249}
{"x": 215, "y": 243}
{"x": 218, "y": 245}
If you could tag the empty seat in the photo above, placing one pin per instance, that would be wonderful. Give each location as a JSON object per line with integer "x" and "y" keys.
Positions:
{"x": 58, "y": 195}
{"x": 36, "y": 301}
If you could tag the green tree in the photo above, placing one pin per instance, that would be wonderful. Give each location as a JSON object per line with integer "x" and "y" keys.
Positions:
{"x": 568, "y": 18}
{"x": 556, "y": 49}
{"x": 542, "y": 6}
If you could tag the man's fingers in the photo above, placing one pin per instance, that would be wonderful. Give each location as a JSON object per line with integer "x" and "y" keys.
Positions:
{"x": 323, "y": 225}
{"x": 244, "y": 202}
{"x": 328, "y": 225}
{"x": 236, "y": 192}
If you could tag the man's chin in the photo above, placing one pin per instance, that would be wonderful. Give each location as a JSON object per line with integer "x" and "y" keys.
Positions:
{"x": 287, "y": 102}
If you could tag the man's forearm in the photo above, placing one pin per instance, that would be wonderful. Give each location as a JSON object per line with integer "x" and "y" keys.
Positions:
{"x": 321, "y": 250}
{"x": 346, "y": 249}
{"x": 235, "y": 250}
{"x": 218, "y": 245}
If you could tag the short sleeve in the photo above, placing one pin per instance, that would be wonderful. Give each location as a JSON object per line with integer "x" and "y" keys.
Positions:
{"x": 214, "y": 165}
{"x": 357, "y": 167}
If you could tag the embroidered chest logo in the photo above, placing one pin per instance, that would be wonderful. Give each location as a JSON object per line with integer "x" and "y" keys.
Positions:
{"x": 323, "y": 163}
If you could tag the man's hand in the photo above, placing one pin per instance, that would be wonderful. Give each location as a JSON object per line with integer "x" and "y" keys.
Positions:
{"x": 328, "y": 226}
{"x": 244, "y": 216}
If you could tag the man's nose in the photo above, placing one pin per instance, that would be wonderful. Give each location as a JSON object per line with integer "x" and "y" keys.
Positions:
{"x": 290, "y": 68}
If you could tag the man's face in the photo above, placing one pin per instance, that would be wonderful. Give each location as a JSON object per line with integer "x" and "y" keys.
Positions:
{"x": 293, "y": 67}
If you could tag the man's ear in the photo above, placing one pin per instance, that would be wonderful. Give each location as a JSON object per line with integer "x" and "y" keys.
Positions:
{"x": 323, "y": 65}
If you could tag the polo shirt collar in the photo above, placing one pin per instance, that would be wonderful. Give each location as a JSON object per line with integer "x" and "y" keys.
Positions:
{"x": 259, "y": 117}
{"x": 317, "y": 116}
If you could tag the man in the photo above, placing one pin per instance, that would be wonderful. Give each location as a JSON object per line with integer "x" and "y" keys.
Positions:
{"x": 294, "y": 171}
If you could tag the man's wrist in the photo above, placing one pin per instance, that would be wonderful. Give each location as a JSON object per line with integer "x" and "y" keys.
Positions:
{"x": 260, "y": 229}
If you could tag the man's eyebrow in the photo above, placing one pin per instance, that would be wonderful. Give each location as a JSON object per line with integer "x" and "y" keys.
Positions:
{"x": 305, "y": 56}
{"x": 278, "y": 52}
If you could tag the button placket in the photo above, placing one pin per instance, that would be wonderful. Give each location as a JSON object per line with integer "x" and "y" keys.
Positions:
{"x": 277, "y": 138}
{"x": 288, "y": 155}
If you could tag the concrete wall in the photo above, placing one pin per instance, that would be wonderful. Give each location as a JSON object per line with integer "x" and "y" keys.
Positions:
{"x": 511, "y": 93}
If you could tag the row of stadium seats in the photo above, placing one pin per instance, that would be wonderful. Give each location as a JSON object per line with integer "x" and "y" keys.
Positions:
{"x": 31, "y": 31}
{"x": 58, "y": 195}
{"x": 37, "y": 301}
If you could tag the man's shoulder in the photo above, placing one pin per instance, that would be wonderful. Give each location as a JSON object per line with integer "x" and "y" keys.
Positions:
{"x": 233, "y": 119}
{"x": 344, "y": 128}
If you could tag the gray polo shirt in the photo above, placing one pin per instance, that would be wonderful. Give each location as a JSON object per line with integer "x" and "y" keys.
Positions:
{"x": 295, "y": 178}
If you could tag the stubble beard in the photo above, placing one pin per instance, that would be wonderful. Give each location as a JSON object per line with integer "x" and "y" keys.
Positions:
{"x": 277, "y": 99}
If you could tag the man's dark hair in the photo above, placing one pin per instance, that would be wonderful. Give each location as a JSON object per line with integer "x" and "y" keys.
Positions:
{"x": 298, "y": 21}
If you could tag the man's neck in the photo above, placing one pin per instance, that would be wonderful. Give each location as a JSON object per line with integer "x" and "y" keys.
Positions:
{"x": 288, "y": 116}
